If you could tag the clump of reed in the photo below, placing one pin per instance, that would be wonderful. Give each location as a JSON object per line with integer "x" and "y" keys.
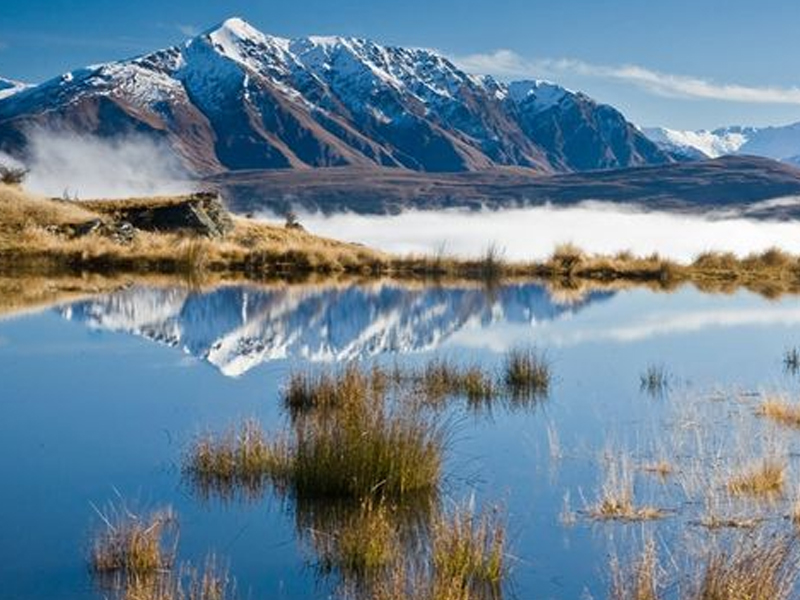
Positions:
{"x": 791, "y": 360}
{"x": 188, "y": 583}
{"x": 468, "y": 549}
{"x": 765, "y": 569}
{"x": 133, "y": 546}
{"x": 241, "y": 459}
{"x": 780, "y": 410}
{"x": 654, "y": 380}
{"x": 526, "y": 373}
{"x": 328, "y": 390}
{"x": 765, "y": 478}
{"x": 440, "y": 378}
{"x": 359, "y": 543}
{"x": 359, "y": 450}
{"x": 365, "y": 449}
{"x": 616, "y": 498}
{"x": 639, "y": 580}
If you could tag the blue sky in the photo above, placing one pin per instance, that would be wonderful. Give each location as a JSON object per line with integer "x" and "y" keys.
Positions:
{"x": 681, "y": 63}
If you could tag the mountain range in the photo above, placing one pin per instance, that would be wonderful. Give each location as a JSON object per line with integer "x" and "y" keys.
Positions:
{"x": 233, "y": 98}
{"x": 779, "y": 143}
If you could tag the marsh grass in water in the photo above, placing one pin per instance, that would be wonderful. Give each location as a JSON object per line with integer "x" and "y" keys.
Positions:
{"x": 748, "y": 567}
{"x": 359, "y": 450}
{"x": 526, "y": 373}
{"x": 791, "y": 360}
{"x": 760, "y": 569}
{"x": 131, "y": 545}
{"x": 655, "y": 380}
{"x": 615, "y": 500}
{"x": 189, "y": 583}
{"x": 781, "y": 410}
{"x": 469, "y": 548}
{"x": 639, "y": 579}
{"x": 764, "y": 478}
{"x": 240, "y": 461}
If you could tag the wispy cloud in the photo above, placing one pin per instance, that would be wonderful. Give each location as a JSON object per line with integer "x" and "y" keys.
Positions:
{"x": 188, "y": 30}
{"x": 507, "y": 63}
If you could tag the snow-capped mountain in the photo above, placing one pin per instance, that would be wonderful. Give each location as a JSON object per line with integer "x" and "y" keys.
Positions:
{"x": 237, "y": 328}
{"x": 779, "y": 143}
{"x": 9, "y": 87}
{"x": 234, "y": 98}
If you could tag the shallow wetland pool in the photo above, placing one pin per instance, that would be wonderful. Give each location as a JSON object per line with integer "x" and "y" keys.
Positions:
{"x": 655, "y": 398}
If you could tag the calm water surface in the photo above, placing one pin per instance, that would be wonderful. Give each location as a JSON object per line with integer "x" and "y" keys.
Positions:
{"x": 101, "y": 397}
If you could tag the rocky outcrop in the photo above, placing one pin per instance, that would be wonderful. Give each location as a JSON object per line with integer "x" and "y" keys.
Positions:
{"x": 200, "y": 214}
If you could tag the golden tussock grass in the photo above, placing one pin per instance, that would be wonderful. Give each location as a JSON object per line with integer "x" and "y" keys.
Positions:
{"x": 638, "y": 580}
{"x": 188, "y": 583}
{"x": 781, "y": 411}
{"x": 764, "y": 569}
{"x": 134, "y": 545}
{"x": 765, "y": 478}
{"x": 615, "y": 500}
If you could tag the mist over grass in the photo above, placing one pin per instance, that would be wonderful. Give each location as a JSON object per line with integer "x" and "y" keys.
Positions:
{"x": 87, "y": 167}
{"x": 533, "y": 233}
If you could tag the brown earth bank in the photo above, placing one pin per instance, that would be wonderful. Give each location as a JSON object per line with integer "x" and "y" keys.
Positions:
{"x": 740, "y": 184}
{"x": 194, "y": 238}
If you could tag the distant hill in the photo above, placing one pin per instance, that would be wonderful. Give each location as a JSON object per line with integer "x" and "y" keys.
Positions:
{"x": 734, "y": 183}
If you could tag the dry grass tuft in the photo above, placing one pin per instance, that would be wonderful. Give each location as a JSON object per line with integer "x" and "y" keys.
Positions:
{"x": 616, "y": 498}
{"x": 469, "y": 548}
{"x": 240, "y": 460}
{"x": 781, "y": 411}
{"x": 527, "y": 373}
{"x": 133, "y": 545}
{"x": 638, "y": 581}
{"x": 755, "y": 570}
{"x": 210, "y": 583}
{"x": 763, "y": 479}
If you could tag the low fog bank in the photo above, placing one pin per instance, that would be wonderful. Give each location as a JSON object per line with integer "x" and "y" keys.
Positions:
{"x": 87, "y": 167}
{"x": 533, "y": 233}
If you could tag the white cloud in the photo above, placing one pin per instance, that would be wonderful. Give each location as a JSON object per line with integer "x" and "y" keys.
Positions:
{"x": 506, "y": 63}
{"x": 188, "y": 30}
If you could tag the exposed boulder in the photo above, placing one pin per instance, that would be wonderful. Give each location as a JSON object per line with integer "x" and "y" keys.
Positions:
{"x": 202, "y": 213}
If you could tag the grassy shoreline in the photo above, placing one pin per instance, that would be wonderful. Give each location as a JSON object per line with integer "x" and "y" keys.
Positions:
{"x": 43, "y": 237}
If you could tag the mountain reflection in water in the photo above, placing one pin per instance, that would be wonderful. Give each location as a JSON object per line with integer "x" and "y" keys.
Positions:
{"x": 239, "y": 328}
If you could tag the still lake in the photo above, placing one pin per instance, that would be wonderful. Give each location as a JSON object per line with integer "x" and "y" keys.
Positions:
{"x": 101, "y": 397}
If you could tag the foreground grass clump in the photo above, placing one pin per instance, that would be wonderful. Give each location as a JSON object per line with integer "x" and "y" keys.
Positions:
{"x": 754, "y": 570}
{"x": 328, "y": 390}
{"x": 440, "y": 378}
{"x": 526, "y": 373}
{"x": 241, "y": 459}
{"x": 763, "y": 479}
{"x": 781, "y": 411}
{"x": 360, "y": 450}
{"x": 210, "y": 583}
{"x": 616, "y": 498}
{"x": 365, "y": 449}
{"x": 469, "y": 549}
{"x": 358, "y": 543}
{"x": 134, "y": 545}
{"x": 639, "y": 580}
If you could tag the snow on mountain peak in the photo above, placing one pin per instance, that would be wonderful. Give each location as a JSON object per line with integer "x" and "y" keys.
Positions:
{"x": 9, "y": 87}
{"x": 543, "y": 94}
